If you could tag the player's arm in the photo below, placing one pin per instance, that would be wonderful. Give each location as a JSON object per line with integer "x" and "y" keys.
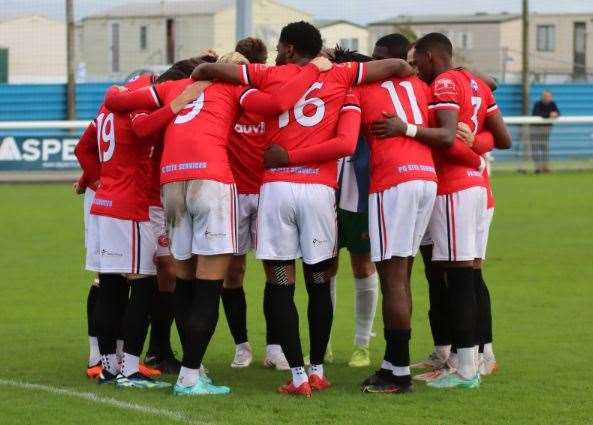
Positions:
{"x": 441, "y": 136}
{"x": 146, "y": 124}
{"x": 286, "y": 96}
{"x": 120, "y": 99}
{"x": 226, "y": 72}
{"x": 342, "y": 145}
{"x": 86, "y": 151}
{"x": 495, "y": 124}
{"x": 385, "y": 68}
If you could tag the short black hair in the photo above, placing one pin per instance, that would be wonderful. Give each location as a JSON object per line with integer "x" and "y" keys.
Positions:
{"x": 341, "y": 55}
{"x": 434, "y": 40}
{"x": 181, "y": 69}
{"x": 305, "y": 38}
{"x": 397, "y": 45}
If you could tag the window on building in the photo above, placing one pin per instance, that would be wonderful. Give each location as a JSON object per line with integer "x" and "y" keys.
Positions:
{"x": 349, "y": 43}
{"x": 546, "y": 38}
{"x": 143, "y": 37}
{"x": 465, "y": 40}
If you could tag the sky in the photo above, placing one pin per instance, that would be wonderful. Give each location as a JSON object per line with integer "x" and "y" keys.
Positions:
{"x": 361, "y": 11}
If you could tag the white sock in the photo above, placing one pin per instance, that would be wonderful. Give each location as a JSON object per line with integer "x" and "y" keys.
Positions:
{"x": 332, "y": 291}
{"x": 401, "y": 371}
{"x": 130, "y": 364}
{"x": 443, "y": 351}
{"x": 188, "y": 377}
{"x": 488, "y": 351}
{"x": 110, "y": 363}
{"x": 386, "y": 365}
{"x": 244, "y": 346}
{"x": 299, "y": 376}
{"x": 94, "y": 353}
{"x": 367, "y": 292}
{"x": 316, "y": 369}
{"x": 273, "y": 349}
{"x": 467, "y": 367}
{"x": 119, "y": 349}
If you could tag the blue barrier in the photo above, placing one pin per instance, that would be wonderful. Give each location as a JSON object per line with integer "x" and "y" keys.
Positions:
{"x": 30, "y": 102}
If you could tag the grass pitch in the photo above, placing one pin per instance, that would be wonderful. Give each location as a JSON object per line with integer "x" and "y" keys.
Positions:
{"x": 539, "y": 271}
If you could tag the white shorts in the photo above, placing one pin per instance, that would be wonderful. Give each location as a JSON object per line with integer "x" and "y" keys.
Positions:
{"x": 122, "y": 246}
{"x": 398, "y": 218}
{"x": 157, "y": 221}
{"x": 201, "y": 217}
{"x": 454, "y": 225}
{"x": 90, "y": 230}
{"x": 248, "y": 203}
{"x": 483, "y": 232}
{"x": 296, "y": 220}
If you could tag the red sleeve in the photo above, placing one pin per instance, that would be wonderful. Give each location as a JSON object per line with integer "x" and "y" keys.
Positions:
{"x": 255, "y": 74}
{"x": 87, "y": 153}
{"x": 462, "y": 154}
{"x": 491, "y": 106}
{"x": 146, "y": 124}
{"x": 146, "y": 98}
{"x": 351, "y": 73}
{"x": 445, "y": 93}
{"x": 282, "y": 99}
{"x": 342, "y": 145}
{"x": 483, "y": 142}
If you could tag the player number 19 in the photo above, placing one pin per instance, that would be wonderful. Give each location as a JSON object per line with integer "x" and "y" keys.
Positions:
{"x": 105, "y": 134}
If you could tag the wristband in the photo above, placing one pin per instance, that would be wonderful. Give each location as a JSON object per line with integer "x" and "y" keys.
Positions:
{"x": 411, "y": 130}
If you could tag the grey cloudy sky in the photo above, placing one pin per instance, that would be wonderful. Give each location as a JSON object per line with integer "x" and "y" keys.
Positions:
{"x": 356, "y": 10}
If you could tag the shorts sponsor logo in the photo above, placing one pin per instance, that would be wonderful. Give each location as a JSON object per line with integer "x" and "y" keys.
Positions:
{"x": 209, "y": 235}
{"x": 319, "y": 242}
{"x": 408, "y": 168}
{"x": 108, "y": 253}
{"x": 295, "y": 170}
{"x": 183, "y": 166}
{"x": 163, "y": 241}
{"x": 103, "y": 202}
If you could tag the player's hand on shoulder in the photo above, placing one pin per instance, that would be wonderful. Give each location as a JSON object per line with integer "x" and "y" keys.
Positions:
{"x": 189, "y": 94}
{"x": 389, "y": 126}
{"x": 322, "y": 63}
{"x": 465, "y": 134}
{"x": 275, "y": 156}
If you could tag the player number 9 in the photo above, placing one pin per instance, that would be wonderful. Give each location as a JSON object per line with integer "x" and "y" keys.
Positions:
{"x": 298, "y": 111}
{"x": 105, "y": 134}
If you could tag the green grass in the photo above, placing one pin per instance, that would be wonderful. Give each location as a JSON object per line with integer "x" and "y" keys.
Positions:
{"x": 539, "y": 271}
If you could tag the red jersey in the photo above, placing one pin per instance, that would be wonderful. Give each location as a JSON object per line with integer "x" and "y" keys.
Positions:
{"x": 246, "y": 150}
{"x": 487, "y": 107}
{"x": 395, "y": 160}
{"x": 124, "y": 169}
{"x": 154, "y": 193}
{"x": 195, "y": 142}
{"x": 312, "y": 120}
{"x": 452, "y": 90}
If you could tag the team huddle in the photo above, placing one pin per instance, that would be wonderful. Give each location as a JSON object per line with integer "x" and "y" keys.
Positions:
{"x": 186, "y": 172}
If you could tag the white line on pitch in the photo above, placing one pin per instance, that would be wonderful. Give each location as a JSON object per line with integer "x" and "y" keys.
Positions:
{"x": 174, "y": 416}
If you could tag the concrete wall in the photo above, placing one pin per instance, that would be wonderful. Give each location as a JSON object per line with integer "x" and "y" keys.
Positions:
{"x": 37, "y": 49}
{"x": 332, "y": 35}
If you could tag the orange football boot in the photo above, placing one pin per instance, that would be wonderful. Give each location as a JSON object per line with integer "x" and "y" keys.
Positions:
{"x": 150, "y": 372}
{"x": 93, "y": 372}
{"x": 318, "y": 384}
{"x": 302, "y": 390}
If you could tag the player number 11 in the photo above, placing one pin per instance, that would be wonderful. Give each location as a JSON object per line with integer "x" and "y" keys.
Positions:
{"x": 397, "y": 104}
